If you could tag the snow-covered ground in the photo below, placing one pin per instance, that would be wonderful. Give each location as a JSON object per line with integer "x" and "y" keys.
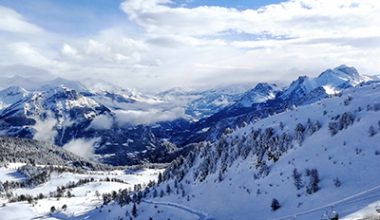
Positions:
{"x": 369, "y": 211}
{"x": 85, "y": 197}
{"x": 10, "y": 173}
{"x": 146, "y": 210}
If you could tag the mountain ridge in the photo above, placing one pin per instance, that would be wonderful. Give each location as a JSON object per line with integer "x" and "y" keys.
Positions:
{"x": 89, "y": 115}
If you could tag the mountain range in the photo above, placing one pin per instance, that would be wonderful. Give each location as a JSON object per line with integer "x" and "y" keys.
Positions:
{"x": 123, "y": 126}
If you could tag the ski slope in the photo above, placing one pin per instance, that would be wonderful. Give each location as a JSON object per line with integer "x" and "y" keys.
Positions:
{"x": 201, "y": 215}
{"x": 345, "y": 207}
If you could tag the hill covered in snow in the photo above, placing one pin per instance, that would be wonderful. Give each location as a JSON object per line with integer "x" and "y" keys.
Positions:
{"x": 38, "y": 180}
{"x": 299, "y": 164}
{"x": 17, "y": 150}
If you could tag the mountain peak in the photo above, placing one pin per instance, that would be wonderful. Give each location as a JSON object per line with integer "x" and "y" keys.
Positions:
{"x": 14, "y": 90}
{"x": 347, "y": 70}
{"x": 341, "y": 71}
{"x": 301, "y": 85}
{"x": 340, "y": 77}
{"x": 12, "y": 95}
{"x": 260, "y": 93}
{"x": 61, "y": 83}
{"x": 263, "y": 87}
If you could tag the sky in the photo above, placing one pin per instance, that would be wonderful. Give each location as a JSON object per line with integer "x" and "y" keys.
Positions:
{"x": 154, "y": 45}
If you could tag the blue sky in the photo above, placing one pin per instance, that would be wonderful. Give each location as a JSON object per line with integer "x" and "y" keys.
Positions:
{"x": 240, "y": 4}
{"x": 159, "y": 44}
{"x": 76, "y": 17}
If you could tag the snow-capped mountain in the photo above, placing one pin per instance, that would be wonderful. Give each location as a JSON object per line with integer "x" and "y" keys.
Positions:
{"x": 61, "y": 82}
{"x": 27, "y": 77}
{"x": 341, "y": 77}
{"x": 266, "y": 99}
{"x": 12, "y": 95}
{"x": 332, "y": 81}
{"x": 262, "y": 92}
{"x": 63, "y": 115}
{"x": 60, "y": 103}
{"x": 58, "y": 115}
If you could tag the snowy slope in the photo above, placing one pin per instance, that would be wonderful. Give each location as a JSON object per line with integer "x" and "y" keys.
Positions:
{"x": 23, "y": 151}
{"x": 84, "y": 198}
{"x": 238, "y": 176}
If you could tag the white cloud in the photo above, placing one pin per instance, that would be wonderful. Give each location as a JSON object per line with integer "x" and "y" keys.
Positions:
{"x": 81, "y": 147}
{"x": 102, "y": 122}
{"x": 11, "y": 21}
{"x": 30, "y": 54}
{"x": 70, "y": 52}
{"x": 45, "y": 130}
{"x": 147, "y": 116}
{"x": 295, "y": 18}
{"x": 209, "y": 46}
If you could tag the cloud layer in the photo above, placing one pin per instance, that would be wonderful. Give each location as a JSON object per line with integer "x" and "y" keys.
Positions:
{"x": 164, "y": 45}
{"x": 11, "y": 21}
{"x": 151, "y": 116}
{"x": 45, "y": 130}
{"x": 81, "y": 147}
{"x": 296, "y": 18}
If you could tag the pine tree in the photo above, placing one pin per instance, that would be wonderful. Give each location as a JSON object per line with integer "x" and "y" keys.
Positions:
{"x": 275, "y": 204}
{"x": 168, "y": 189}
{"x": 371, "y": 131}
{"x": 52, "y": 209}
{"x": 154, "y": 193}
{"x": 159, "y": 180}
{"x": 297, "y": 179}
{"x": 134, "y": 210}
{"x": 337, "y": 182}
{"x": 314, "y": 181}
